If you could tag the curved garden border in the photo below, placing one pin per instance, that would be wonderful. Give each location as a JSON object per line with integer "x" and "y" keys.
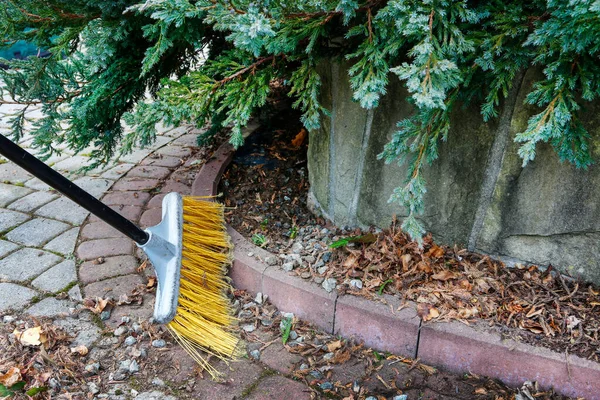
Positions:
{"x": 451, "y": 345}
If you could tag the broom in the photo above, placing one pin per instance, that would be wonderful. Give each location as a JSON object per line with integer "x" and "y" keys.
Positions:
{"x": 190, "y": 252}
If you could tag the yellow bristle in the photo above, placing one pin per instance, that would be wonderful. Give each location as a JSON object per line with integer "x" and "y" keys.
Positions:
{"x": 204, "y": 321}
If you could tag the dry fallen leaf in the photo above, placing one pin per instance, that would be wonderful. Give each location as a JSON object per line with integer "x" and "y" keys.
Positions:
{"x": 480, "y": 391}
{"x": 427, "y": 311}
{"x": 332, "y": 346}
{"x": 12, "y": 376}
{"x": 100, "y": 305}
{"x": 143, "y": 266}
{"x": 444, "y": 275}
{"x": 31, "y": 337}
{"x": 435, "y": 252}
{"x": 300, "y": 137}
{"x": 81, "y": 350}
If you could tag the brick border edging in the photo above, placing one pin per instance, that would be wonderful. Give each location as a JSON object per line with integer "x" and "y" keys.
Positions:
{"x": 451, "y": 345}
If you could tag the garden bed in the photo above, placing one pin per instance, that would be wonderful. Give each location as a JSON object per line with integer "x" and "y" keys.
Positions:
{"x": 267, "y": 186}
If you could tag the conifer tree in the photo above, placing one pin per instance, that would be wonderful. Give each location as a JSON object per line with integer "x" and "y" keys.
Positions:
{"x": 200, "y": 61}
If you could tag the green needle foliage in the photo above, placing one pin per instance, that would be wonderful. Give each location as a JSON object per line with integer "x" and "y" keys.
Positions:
{"x": 213, "y": 61}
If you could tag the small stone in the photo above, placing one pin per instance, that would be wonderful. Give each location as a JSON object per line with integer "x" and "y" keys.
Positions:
{"x": 371, "y": 398}
{"x": 309, "y": 259}
{"x": 259, "y": 298}
{"x": 316, "y": 374}
{"x": 326, "y": 386}
{"x": 326, "y": 256}
{"x": 143, "y": 353}
{"x": 255, "y": 354}
{"x": 295, "y": 259}
{"x": 93, "y": 388}
{"x": 125, "y": 319}
{"x": 8, "y": 319}
{"x": 158, "y": 382}
{"x": 271, "y": 260}
{"x": 249, "y": 328}
{"x": 324, "y": 231}
{"x": 104, "y": 315}
{"x": 289, "y": 315}
{"x": 356, "y": 386}
{"x": 297, "y": 248}
{"x": 134, "y": 392}
{"x": 329, "y": 284}
{"x": 357, "y": 283}
{"x": 266, "y": 322}
{"x": 93, "y": 368}
{"x": 121, "y": 330}
{"x": 119, "y": 376}
{"x": 134, "y": 366}
{"x": 319, "y": 280}
{"x": 303, "y": 367}
{"x": 124, "y": 365}
{"x": 251, "y": 254}
{"x": 319, "y": 264}
{"x": 286, "y": 198}
{"x": 287, "y": 266}
{"x": 328, "y": 356}
{"x": 293, "y": 335}
{"x": 137, "y": 328}
{"x": 401, "y": 397}
{"x": 130, "y": 341}
{"x": 305, "y": 275}
{"x": 159, "y": 343}
{"x": 322, "y": 270}
{"x": 53, "y": 383}
{"x": 317, "y": 246}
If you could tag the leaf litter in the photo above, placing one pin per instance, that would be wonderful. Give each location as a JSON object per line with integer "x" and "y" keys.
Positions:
{"x": 523, "y": 303}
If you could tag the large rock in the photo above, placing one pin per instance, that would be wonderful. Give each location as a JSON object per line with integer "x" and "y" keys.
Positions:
{"x": 478, "y": 193}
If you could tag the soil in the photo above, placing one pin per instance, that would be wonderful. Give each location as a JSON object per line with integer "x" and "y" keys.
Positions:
{"x": 267, "y": 184}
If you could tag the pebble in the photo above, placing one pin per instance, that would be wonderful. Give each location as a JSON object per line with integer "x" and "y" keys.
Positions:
{"x": 316, "y": 374}
{"x": 249, "y": 328}
{"x": 295, "y": 259}
{"x": 293, "y": 335}
{"x": 266, "y": 322}
{"x": 326, "y": 386}
{"x": 251, "y": 254}
{"x": 255, "y": 354}
{"x": 328, "y": 356}
{"x": 324, "y": 232}
{"x": 322, "y": 270}
{"x": 259, "y": 298}
{"x": 371, "y": 398}
{"x": 287, "y": 266}
{"x": 286, "y": 198}
{"x": 309, "y": 259}
{"x": 130, "y": 341}
{"x": 305, "y": 275}
{"x": 401, "y": 397}
{"x": 297, "y": 247}
{"x": 92, "y": 368}
{"x": 104, "y": 315}
{"x": 159, "y": 343}
{"x": 326, "y": 256}
{"x": 303, "y": 367}
{"x": 318, "y": 247}
{"x": 8, "y": 319}
{"x": 357, "y": 283}
{"x": 121, "y": 330}
{"x": 53, "y": 383}
{"x": 125, "y": 319}
{"x": 124, "y": 365}
{"x": 329, "y": 284}
{"x": 137, "y": 328}
{"x": 158, "y": 382}
{"x": 356, "y": 386}
{"x": 319, "y": 279}
{"x": 134, "y": 392}
{"x": 319, "y": 264}
{"x": 271, "y": 260}
{"x": 93, "y": 388}
{"x": 134, "y": 366}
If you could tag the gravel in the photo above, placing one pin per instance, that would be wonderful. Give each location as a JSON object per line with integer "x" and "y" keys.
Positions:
{"x": 130, "y": 341}
{"x": 249, "y": 328}
{"x": 287, "y": 266}
{"x": 271, "y": 260}
{"x": 159, "y": 343}
{"x": 158, "y": 382}
{"x": 255, "y": 354}
{"x": 121, "y": 330}
{"x": 356, "y": 283}
{"x": 329, "y": 284}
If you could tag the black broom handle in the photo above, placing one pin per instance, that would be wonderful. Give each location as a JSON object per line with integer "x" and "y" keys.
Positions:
{"x": 46, "y": 174}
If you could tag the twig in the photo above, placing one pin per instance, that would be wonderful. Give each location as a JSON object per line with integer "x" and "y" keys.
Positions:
{"x": 568, "y": 365}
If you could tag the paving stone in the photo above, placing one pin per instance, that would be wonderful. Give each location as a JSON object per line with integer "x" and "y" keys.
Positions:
{"x": 134, "y": 312}
{"x": 57, "y": 277}
{"x": 36, "y": 232}
{"x": 14, "y": 296}
{"x": 36, "y": 184}
{"x": 129, "y": 198}
{"x": 135, "y": 184}
{"x": 104, "y": 248}
{"x": 10, "y": 219}
{"x": 113, "y": 287}
{"x": 10, "y": 193}
{"x": 279, "y": 359}
{"x": 149, "y": 171}
{"x": 135, "y": 157}
{"x": 151, "y": 217}
{"x": 99, "y": 230}
{"x": 32, "y": 201}
{"x": 86, "y": 333}
{"x": 132, "y": 213}
{"x": 117, "y": 171}
{"x": 7, "y": 247}
{"x": 156, "y": 201}
{"x": 94, "y": 186}
{"x": 26, "y": 263}
{"x": 64, "y": 209}
{"x": 91, "y": 271}
{"x": 162, "y": 161}
{"x": 75, "y": 293}
{"x": 189, "y": 140}
{"x": 72, "y": 164}
{"x": 179, "y": 187}
{"x": 50, "y": 307}
{"x": 65, "y": 243}
{"x": 176, "y": 132}
{"x": 175, "y": 151}
{"x": 277, "y": 387}
{"x": 11, "y": 173}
